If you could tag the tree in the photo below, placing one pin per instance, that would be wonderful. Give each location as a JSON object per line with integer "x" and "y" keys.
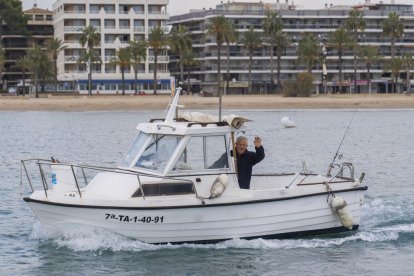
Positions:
{"x": 89, "y": 38}
{"x": 45, "y": 71}
{"x": 38, "y": 63}
{"x": 55, "y": 45}
{"x": 393, "y": 28}
{"x": 2, "y": 59}
{"x": 231, "y": 37}
{"x": 218, "y": 27}
{"x": 407, "y": 64}
{"x": 369, "y": 55}
{"x": 24, "y": 63}
{"x": 189, "y": 61}
{"x": 272, "y": 28}
{"x": 180, "y": 43}
{"x": 281, "y": 42}
{"x": 340, "y": 40}
{"x": 251, "y": 40}
{"x": 138, "y": 51}
{"x": 11, "y": 13}
{"x": 308, "y": 51}
{"x": 123, "y": 60}
{"x": 157, "y": 40}
{"x": 395, "y": 65}
{"x": 355, "y": 23}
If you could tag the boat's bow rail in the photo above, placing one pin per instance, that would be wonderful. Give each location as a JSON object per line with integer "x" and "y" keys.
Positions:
{"x": 74, "y": 178}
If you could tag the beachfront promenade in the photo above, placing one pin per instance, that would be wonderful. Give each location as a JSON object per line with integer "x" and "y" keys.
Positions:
{"x": 150, "y": 102}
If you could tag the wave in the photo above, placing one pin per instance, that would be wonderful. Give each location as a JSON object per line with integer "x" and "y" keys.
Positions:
{"x": 92, "y": 239}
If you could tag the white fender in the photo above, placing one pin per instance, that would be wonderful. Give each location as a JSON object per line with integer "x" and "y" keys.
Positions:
{"x": 339, "y": 207}
{"x": 219, "y": 186}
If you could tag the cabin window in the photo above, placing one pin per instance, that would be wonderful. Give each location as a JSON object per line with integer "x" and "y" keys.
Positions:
{"x": 134, "y": 149}
{"x": 165, "y": 189}
{"x": 158, "y": 151}
{"x": 208, "y": 152}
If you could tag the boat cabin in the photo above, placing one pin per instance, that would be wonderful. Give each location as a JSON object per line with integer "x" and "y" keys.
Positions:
{"x": 181, "y": 148}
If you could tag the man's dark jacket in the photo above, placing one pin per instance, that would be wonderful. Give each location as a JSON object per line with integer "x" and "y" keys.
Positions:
{"x": 245, "y": 163}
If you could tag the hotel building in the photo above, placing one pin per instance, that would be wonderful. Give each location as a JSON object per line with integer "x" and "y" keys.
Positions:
{"x": 297, "y": 22}
{"x": 118, "y": 22}
{"x": 16, "y": 43}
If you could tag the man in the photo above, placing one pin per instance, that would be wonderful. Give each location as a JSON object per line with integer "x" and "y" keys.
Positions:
{"x": 247, "y": 159}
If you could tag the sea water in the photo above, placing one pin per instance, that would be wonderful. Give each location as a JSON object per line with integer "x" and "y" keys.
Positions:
{"x": 379, "y": 143}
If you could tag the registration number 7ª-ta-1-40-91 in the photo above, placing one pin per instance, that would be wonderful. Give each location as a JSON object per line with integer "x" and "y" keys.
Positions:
{"x": 143, "y": 219}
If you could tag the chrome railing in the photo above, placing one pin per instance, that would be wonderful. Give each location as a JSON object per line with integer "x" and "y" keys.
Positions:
{"x": 45, "y": 172}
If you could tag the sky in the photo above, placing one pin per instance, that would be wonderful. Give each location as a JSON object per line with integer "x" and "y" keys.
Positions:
{"x": 183, "y": 6}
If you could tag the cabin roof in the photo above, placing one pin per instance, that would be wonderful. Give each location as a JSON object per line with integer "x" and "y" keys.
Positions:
{"x": 187, "y": 128}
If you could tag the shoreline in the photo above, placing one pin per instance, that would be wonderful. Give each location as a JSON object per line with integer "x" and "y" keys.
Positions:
{"x": 160, "y": 102}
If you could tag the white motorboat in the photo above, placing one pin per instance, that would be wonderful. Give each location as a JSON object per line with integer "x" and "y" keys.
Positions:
{"x": 167, "y": 190}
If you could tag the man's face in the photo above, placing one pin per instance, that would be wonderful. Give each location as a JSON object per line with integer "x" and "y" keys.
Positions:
{"x": 241, "y": 146}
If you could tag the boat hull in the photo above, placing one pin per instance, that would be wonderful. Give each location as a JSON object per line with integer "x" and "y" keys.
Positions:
{"x": 277, "y": 218}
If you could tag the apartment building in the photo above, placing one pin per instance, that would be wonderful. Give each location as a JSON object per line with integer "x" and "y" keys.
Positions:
{"x": 16, "y": 43}
{"x": 297, "y": 22}
{"x": 118, "y": 22}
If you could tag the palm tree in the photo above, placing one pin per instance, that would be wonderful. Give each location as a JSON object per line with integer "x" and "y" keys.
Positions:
{"x": 55, "y": 45}
{"x": 219, "y": 27}
{"x": 2, "y": 59}
{"x": 180, "y": 43}
{"x": 340, "y": 40}
{"x": 355, "y": 23}
{"x": 393, "y": 28}
{"x": 189, "y": 61}
{"x": 138, "y": 51}
{"x": 45, "y": 71}
{"x": 123, "y": 60}
{"x": 37, "y": 59}
{"x": 157, "y": 40}
{"x": 395, "y": 65}
{"x": 282, "y": 41}
{"x": 231, "y": 37}
{"x": 24, "y": 63}
{"x": 90, "y": 38}
{"x": 251, "y": 40}
{"x": 272, "y": 27}
{"x": 308, "y": 51}
{"x": 408, "y": 63}
{"x": 369, "y": 55}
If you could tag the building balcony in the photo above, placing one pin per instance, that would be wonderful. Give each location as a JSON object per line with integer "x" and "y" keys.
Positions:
{"x": 109, "y": 58}
{"x": 139, "y": 29}
{"x": 71, "y": 58}
{"x": 159, "y": 59}
{"x": 165, "y": 29}
{"x": 73, "y": 29}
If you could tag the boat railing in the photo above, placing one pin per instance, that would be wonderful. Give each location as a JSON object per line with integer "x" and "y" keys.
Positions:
{"x": 346, "y": 166}
{"x": 79, "y": 173}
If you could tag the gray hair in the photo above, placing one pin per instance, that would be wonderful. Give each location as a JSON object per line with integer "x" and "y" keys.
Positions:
{"x": 240, "y": 138}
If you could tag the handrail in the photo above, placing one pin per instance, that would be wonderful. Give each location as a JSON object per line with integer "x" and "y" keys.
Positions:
{"x": 42, "y": 162}
{"x": 76, "y": 180}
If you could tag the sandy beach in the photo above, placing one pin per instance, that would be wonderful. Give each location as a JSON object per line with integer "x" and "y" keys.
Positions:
{"x": 149, "y": 102}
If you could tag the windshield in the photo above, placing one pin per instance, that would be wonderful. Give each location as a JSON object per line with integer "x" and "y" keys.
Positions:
{"x": 134, "y": 149}
{"x": 158, "y": 152}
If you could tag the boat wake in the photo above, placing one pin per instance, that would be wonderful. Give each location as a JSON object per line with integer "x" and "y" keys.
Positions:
{"x": 384, "y": 221}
